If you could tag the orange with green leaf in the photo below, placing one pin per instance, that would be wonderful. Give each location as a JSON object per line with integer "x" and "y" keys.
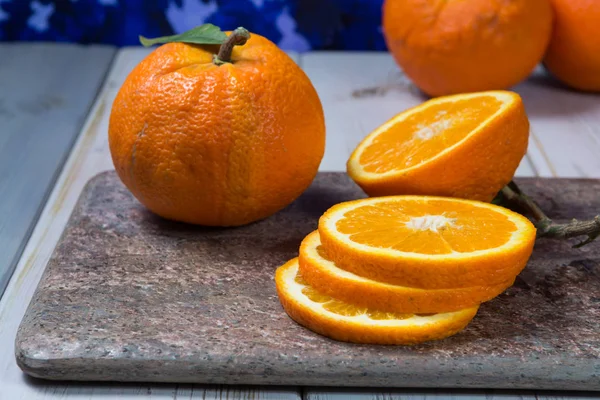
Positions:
{"x": 216, "y": 128}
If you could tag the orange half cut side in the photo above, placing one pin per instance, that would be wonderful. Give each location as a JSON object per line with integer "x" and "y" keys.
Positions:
{"x": 466, "y": 146}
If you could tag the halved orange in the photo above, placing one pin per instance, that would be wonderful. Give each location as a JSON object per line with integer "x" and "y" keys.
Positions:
{"x": 346, "y": 322}
{"x": 323, "y": 275}
{"x": 467, "y": 146}
{"x": 427, "y": 242}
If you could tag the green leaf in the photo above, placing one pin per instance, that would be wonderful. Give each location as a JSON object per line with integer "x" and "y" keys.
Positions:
{"x": 203, "y": 34}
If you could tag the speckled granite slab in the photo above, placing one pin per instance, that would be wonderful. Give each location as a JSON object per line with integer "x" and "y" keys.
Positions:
{"x": 130, "y": 297}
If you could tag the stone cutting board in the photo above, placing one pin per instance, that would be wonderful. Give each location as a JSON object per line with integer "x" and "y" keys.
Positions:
{"x": 128, "y": 296}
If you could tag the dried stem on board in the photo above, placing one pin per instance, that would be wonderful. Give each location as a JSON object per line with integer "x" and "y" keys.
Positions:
{"x": 511, "y": 193}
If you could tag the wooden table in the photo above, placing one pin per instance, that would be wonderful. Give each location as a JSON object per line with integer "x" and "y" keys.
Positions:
{"x": 52, "y": 96}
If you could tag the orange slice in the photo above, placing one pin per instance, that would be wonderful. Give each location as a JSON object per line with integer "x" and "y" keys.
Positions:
{"x": 343, "y": 321}
{"x": 427, "y": 242}
{"x": 323, "y": 275}
{"x": 466, "y": 146}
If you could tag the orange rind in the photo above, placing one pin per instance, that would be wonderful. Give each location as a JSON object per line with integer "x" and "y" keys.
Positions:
{"x": 345, "y": 322}
{"x": 323, "y": 275}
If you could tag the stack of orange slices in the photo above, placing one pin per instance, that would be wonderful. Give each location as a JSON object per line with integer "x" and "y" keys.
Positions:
{"x": 405, "y": 269}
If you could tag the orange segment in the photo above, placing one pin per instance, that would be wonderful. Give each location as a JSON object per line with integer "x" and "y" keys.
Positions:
{"x": 343, "y": 321}
{"x": 329, "y": 281}
{"x": 427, "y": 242}
{"x": 467, "y": 146}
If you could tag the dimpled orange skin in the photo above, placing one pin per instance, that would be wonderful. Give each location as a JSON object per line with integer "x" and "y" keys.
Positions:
{"x": 217, "y": 145}
{"x": 574, "y": 52}
{"x": 447, "y": 47}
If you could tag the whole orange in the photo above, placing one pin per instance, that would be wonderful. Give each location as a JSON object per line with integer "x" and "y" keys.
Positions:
{"x": 218, "y": 144}
{"x": 574, "y": 52}
{"x": 448, "y": 47}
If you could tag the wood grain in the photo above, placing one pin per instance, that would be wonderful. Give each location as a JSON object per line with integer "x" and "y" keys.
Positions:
{"x": 400, "y": 394}
{"x": 102, "y": 391}
{"x": 565, "y": 127}
{"x": 336, "y": 394}
{"x": 40, "y": 116}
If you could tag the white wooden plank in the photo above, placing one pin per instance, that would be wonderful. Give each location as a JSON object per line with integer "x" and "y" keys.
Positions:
{"x": 526, "y": 167}
{"x": 245, "y": 393}
{"x": 352, "y": 110}
{"x": 539, "y": 158}
{"x": 567, "y": 396}
{"x": 45, "y": 93}
{"x": 435, "y": 394}
{"x": 89, "y": 157}
{"x": 359, "y": 92}
{"x": 565, "y": 128}
{"x": 411, "y": 394}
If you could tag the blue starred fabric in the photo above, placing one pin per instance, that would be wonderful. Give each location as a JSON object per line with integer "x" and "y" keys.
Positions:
{"x": 298, "y": 25}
